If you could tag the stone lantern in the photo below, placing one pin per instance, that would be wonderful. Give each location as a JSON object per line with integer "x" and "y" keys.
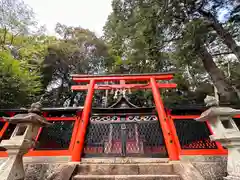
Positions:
{"x": 21, "y": 141}
{"x": 226, "y": 132}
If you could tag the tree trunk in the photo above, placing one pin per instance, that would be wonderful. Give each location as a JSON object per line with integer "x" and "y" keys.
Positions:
{"x": 224, "y": 88}
{"x": 223, "y": 34}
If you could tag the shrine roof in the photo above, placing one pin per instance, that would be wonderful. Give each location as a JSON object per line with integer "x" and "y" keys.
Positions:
{"x": 115, "y": 108}
{"x": 21, "y": 110}
{"x": 123, "y": 102}
{"x": 175, "y": 109}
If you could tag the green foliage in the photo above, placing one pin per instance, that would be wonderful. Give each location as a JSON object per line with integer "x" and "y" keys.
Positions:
{"x": 78, "y": 52}
{"x": 139, "y": 37}
{"x": 158, "y": 36}
{"x": 131, "y": 33}
{"x": 18, "y": 85}
{"x": 16, "y": 18}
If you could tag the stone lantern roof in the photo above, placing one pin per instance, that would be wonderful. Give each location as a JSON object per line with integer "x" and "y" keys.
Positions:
{"x": 30, "y": 117}
{"x": 215, "y": 110}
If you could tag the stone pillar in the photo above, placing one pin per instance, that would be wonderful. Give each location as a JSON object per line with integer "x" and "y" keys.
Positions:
{"x": 20, "y": 142}
{"x": 226, "y": 132}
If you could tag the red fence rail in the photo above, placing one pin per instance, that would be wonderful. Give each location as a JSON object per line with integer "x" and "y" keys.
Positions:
{"x": 194, "y": 149}
{"x": 172, "y": 119}
{"x": 35, "y": 152}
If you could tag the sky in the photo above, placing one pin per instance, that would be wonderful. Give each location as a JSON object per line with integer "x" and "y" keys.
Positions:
{"x": 89, "y": 14}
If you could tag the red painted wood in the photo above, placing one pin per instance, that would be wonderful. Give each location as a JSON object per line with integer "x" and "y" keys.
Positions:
{"x": 49, "y": 153}
{"x": 177, "y": 117}
{"x": 219, "y": 151}
{"x": 10, "y": 113}
{"x": 38, "y": 134}
{"x": 121, "y": 86}
{"x": 3, "y": 154}
{"x": 80, "y": 137}
{"x": 166, "y": 122}
{"x": 42, "y": 153}
{"x": 127, "y": 78}
{"x": 91, "y": 76}
{"x": 174, "y": 132}
{"x": 169, "y": 139}
{"x": 60, "y": 118}
{"x": 2, "y": 120}
{"x": 36, "y": 139}
{"x": 203, "y": 152}
{"x": 45, "y": 114}
{"x": 2, "y": 131}
{"x": 74, "y": 133}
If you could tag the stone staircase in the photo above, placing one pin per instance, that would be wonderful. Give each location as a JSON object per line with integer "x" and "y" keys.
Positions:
{"x": 149, "y": 169}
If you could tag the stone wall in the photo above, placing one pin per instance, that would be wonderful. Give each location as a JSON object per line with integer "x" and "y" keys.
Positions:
{"x": 187, "y": 171}
{"x": 52, "y": 171}
{"x": 47, "y": 168}
{"x": 210, "y": 167}
{"x": 59, "y": 168}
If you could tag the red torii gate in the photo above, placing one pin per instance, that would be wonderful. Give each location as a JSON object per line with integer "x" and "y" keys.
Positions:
{"x": 168, "y": 133}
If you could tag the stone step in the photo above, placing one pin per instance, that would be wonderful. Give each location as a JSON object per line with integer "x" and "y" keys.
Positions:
{"x": 123, "y": 160}
{"x": 122, "y": 177}
{"x": 125, "y": 169}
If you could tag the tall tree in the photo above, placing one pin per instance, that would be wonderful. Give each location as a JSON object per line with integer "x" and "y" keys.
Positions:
{"x": 15, "y": 17}
{"x": 18, "y": 85}
{"x": 211, "y": 15}
{"x": 78, "y": 52}
{"x": 164, "y": 35}
{"x": 198, "y": 35}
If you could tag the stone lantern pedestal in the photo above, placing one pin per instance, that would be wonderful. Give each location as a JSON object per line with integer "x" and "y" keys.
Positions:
{"x": 20, "y": 142}
{"x": 226, "y": 132}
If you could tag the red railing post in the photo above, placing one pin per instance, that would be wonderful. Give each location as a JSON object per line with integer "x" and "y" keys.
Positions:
{"x": 174, "y": 131}
{"x": 80, "y": 136}
{"x": 169, "y": 141}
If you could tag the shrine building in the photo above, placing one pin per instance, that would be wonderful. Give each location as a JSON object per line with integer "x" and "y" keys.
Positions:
{"x": 121, "y": 129}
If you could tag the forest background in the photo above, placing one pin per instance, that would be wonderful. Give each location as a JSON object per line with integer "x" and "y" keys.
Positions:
{"x": 190, "y": 37}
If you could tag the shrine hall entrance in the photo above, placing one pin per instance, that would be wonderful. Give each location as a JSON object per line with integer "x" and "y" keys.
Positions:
{"x": 131, "y": 137}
